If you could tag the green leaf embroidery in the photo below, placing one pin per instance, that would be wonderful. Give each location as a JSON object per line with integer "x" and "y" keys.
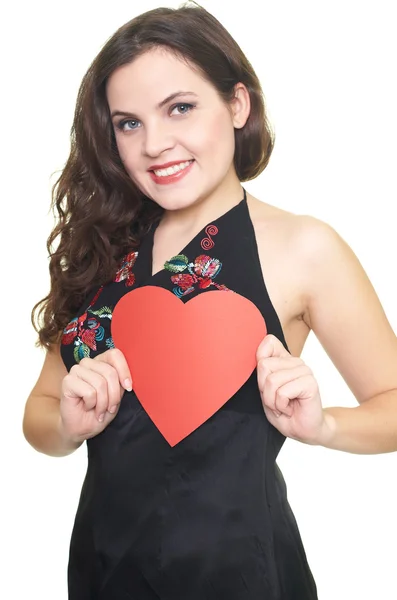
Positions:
{"x": 81, "y": 351}
{"x": 177, "y": 264}
{"x": 104, "y": 311}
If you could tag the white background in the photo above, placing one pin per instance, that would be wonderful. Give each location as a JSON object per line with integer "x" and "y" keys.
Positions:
{"x": 328, "y": 71}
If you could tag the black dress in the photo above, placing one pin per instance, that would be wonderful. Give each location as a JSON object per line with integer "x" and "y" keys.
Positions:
{"x": 207, "y": 519}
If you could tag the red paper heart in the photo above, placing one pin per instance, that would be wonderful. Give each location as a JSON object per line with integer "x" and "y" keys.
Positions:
{"x": 186, "y": 360}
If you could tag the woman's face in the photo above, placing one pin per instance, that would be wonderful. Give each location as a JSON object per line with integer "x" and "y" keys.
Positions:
{"x": 174, "y": 133}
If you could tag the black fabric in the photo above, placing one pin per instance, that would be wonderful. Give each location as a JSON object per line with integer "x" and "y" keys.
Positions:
{"x": 209, "y": 518}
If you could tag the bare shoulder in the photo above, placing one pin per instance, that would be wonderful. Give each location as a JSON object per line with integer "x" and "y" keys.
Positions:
{"x": 294, "y": 250}
{"x": 302, "y": 232}
{"x": 303, "y": 241}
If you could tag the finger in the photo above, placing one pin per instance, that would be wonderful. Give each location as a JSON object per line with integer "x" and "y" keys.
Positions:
{"x": 273, "y": 364}
{"x": 112, "y": 378}
{"x": 271, "y": 346}
{"x": 116, "y": 359}
{"x": 80, "y": 391}
{"x": 276, "y": 363}
{"x": 298, "y": 389}
{"x": 98, "y": 399}
{"x": 272, "y": 382}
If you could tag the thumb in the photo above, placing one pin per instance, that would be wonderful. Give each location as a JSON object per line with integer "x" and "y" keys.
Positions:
{"x": 117, "y": 360}
{"x": 270, "y": 346}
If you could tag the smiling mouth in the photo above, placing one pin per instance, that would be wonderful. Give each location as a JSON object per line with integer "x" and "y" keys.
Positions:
{"x": 172, "y": 170}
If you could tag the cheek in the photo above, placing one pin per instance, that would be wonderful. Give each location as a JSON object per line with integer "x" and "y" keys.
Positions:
{"x": 122, "y": 147}
{"x": 127, "y": 152}
{"x": 218, "y": 135}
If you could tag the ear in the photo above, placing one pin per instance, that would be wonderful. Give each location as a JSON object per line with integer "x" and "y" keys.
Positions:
{"x": 240, "y": 105}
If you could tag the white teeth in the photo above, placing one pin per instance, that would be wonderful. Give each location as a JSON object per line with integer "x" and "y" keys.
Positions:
{"x": 173, "y": 169}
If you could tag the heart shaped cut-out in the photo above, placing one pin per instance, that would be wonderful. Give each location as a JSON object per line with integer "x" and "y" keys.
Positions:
{"x": 186, "y": 359}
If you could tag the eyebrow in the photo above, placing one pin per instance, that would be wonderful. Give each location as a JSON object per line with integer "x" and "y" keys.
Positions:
{"x": 119, "y": 113}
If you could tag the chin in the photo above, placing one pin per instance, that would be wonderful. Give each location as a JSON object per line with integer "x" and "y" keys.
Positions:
{"x": 175, "y": 199}
{"x": 174, "y": 203}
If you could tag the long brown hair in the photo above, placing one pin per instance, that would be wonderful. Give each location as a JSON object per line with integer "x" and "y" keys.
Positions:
{"x": 101, "y": 214}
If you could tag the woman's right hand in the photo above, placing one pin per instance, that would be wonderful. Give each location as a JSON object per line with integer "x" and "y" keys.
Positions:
{"x": 91, "y": 394}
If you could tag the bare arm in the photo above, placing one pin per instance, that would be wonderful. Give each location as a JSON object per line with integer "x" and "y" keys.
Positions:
{"x": 344, "y": 312}
{"x": 42, "y": 425}
{"x": 348, "y": 319}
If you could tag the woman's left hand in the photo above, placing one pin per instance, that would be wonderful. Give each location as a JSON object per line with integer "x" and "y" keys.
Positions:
{"x": 288, "y": 388}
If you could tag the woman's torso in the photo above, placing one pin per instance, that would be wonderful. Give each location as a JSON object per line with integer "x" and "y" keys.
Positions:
{"x": 207, "y": 518}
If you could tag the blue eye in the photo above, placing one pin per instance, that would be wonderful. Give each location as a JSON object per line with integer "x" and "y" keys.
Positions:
{"x": 121, "y": 125}
{"x": 183, "y": 108}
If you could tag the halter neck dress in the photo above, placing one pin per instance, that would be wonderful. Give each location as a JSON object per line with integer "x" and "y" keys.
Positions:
{"x": 206, "y": 519}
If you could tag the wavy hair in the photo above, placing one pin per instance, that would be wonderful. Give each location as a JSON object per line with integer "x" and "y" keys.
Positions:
{"x": 100, "y": 213}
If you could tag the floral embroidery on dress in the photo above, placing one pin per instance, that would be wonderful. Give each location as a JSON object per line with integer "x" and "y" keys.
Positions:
{"x": 189, "y": 276}
{"x": 86, "y": 331}
{"x": 125, "y": 270}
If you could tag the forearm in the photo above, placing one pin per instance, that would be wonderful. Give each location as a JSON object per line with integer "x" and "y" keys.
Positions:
{"x": 42, "y": 428}
{"x": 370, "y": 428}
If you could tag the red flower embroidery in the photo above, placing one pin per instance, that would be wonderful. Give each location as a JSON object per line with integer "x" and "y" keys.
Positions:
{"x": 201, "y": 272}
{"x": 86, "y": 331}
{"x": 125, "y": 270}
{"x": 184, "y": 281}
{"x": 205, "y": 283}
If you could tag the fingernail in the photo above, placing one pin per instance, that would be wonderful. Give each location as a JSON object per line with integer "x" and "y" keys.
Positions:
{"x": 101, "y": 417}
{"x": 113, "y": 409}
{"x": 277, "y": 414}
{"x": 128, "y": 385}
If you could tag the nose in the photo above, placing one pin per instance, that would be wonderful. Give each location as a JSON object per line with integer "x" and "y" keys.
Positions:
{"x": 157, "y": 139}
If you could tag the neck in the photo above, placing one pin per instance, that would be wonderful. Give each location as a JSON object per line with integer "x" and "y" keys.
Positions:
{"x": 206, "y": 208}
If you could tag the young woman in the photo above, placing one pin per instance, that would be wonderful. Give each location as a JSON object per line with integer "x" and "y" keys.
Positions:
{"x": 169, "y": 121}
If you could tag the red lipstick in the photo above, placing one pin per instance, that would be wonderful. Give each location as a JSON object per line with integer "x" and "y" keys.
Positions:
{"x": 174, "y": 177}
